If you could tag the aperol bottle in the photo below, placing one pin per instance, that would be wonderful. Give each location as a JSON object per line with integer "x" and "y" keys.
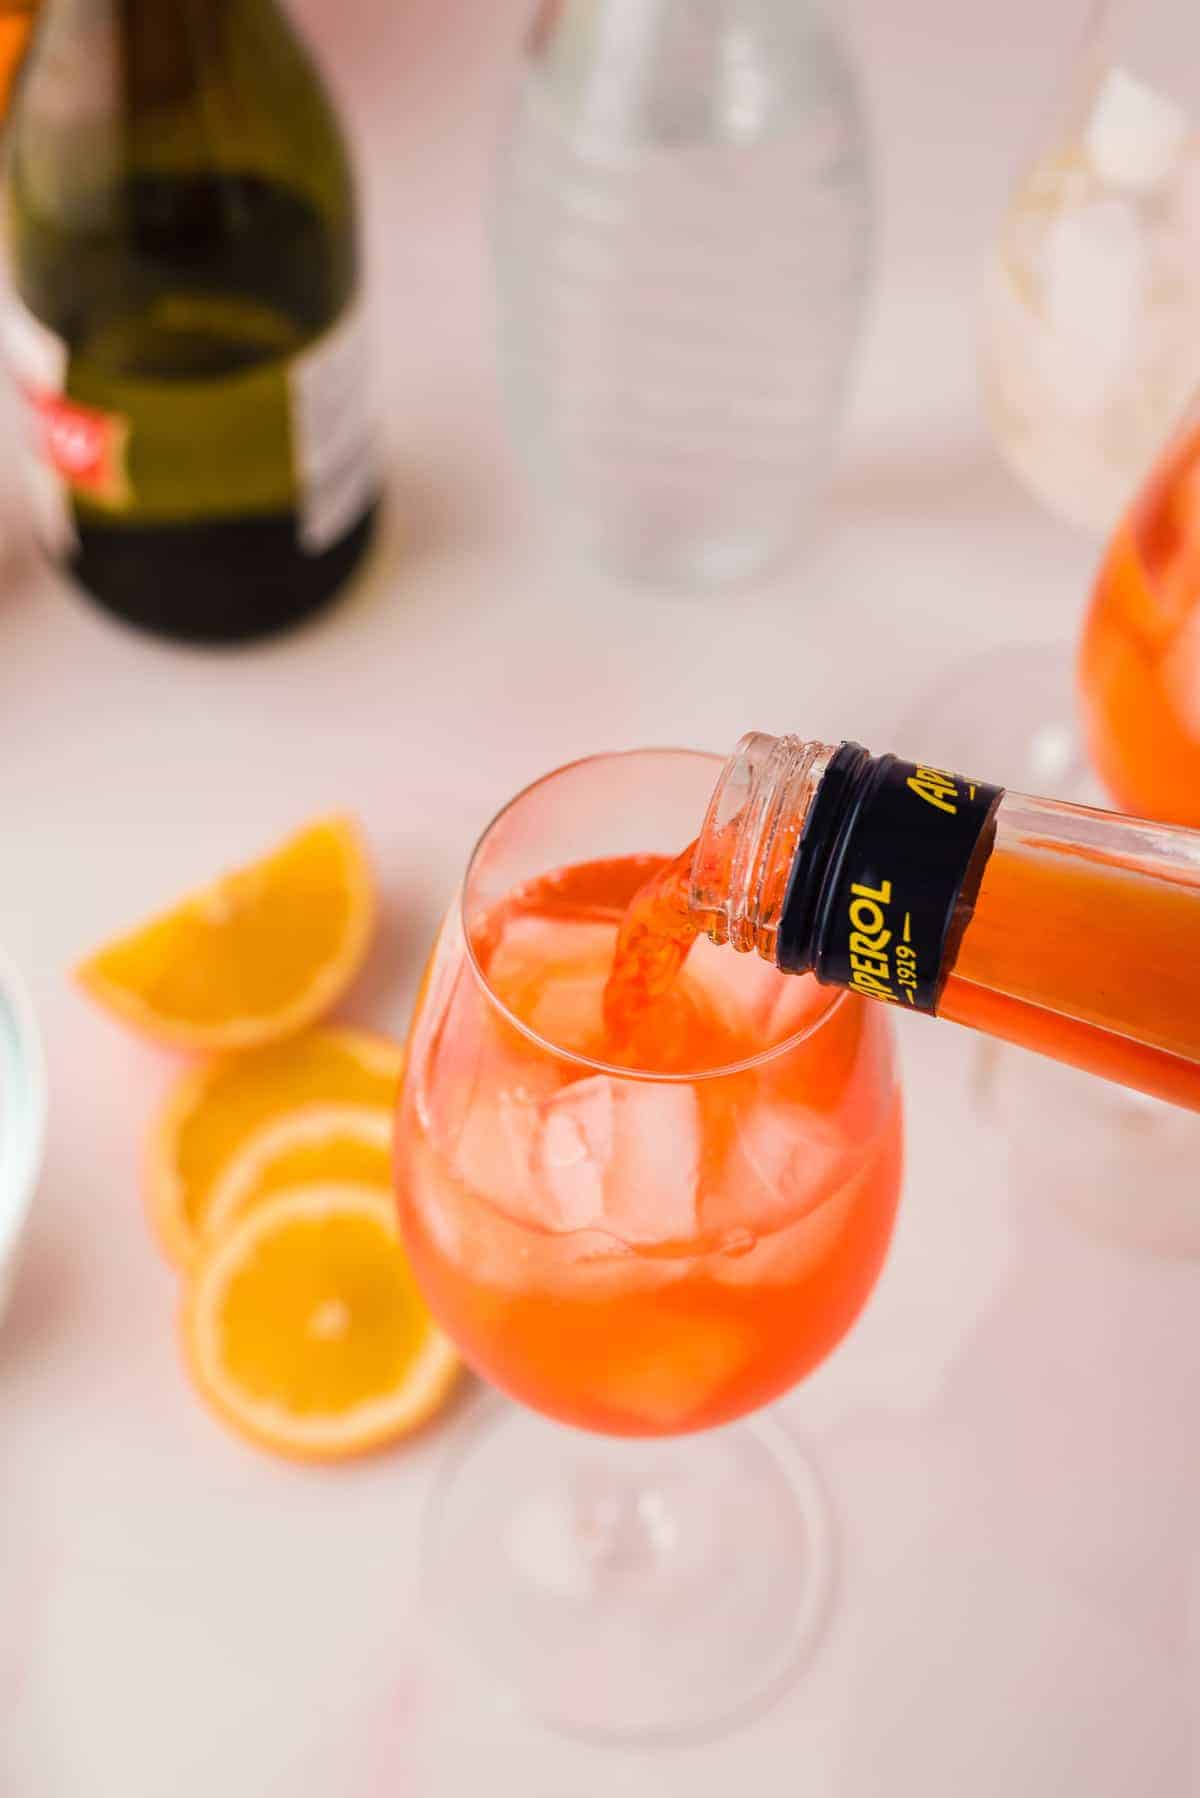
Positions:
{"x": 1061, "y": 928}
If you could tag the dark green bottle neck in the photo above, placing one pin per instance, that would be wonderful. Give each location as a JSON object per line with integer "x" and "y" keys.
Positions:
{"x": 170, "y": 51}
{"x": 151, "y": 54}
{"x": 150, "y": 139}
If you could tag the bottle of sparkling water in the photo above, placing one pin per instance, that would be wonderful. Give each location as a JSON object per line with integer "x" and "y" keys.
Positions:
{"x": 683, "y": 235}
{"x": 184, "y": 319}
{"x": 1091, "y": 330}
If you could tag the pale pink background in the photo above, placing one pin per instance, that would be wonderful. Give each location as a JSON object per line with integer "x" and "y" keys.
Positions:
{"x": 1009, "y": 1436}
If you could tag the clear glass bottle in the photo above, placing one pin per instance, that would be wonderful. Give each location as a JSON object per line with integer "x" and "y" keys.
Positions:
{"x": 1067, "y": 930}
{"x": 682, "y": 240}
{"x": 1090, "y": 341}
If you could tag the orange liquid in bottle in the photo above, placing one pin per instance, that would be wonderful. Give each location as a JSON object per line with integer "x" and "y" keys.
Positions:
{"x": 1069, "y": 951}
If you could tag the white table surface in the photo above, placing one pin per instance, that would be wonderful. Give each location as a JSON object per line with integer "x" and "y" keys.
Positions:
{"x": 1009, "y": 1436}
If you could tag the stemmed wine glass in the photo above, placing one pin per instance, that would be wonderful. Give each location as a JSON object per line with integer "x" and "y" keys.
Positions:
{"x": 1090, "y": 337}
{"x": 646, "y": 1247}
{"x": 1089, "y": 349}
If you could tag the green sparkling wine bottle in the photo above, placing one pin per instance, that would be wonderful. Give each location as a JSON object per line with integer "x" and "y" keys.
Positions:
{"x": 184, "y": 318}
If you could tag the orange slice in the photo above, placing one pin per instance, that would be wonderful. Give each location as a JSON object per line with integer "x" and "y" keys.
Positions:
{"x": 304, "y": 1330}
{"x": 315, "y": 1143}
{"x": 214, "y": 1112}
{"x": 254, "y": 957}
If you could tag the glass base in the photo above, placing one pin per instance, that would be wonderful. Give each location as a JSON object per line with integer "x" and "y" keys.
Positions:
{"x": 693, "y": 555}
{"x": 1121, "y": 1164}
{"x": 705, "y": 565}
{"x": 624, "y": 1589}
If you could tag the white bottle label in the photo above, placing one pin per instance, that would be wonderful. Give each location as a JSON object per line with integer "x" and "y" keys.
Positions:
{"x": 332, "y": 433}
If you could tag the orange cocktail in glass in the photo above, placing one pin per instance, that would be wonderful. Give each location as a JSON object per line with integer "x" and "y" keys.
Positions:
{"x": 642, "y": 1221}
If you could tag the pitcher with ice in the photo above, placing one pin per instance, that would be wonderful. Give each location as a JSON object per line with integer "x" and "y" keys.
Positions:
{"x": 643, "y": 1214}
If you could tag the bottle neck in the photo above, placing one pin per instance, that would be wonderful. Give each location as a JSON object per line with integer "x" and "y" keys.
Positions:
{"x": 172, "y": 48}
{"x": 145, "y": 54}
{"x": 747, "y": 849}
{"x": 113, "y": 88}
{"x": 861, "y": 869}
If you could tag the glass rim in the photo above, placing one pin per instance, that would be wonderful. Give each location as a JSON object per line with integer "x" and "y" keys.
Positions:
{"x": 23, "y": 1111}
{"x": 837, "y": 995}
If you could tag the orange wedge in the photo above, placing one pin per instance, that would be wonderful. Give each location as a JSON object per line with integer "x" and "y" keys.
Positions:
{"x": 253, "y": 958}
{"x": 216, "y": 1111}
{"x": 304, "y": 1330}
{"x": 317, "y": 1143}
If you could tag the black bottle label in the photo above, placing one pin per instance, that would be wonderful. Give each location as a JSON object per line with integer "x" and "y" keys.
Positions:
{"x": 886, "y": 875}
